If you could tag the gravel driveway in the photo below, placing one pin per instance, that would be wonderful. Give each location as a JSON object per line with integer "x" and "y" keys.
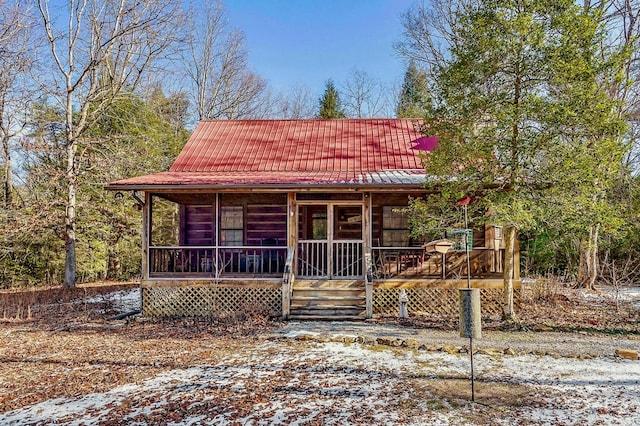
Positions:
{"x": 575, "y": 345}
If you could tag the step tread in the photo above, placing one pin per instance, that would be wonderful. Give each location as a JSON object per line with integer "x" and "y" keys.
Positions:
{"x": 328, "y": 307}
{"x": 318, "y": 297}
{"x": 328, "y": 289}
{"x": 326, "y": 317}
{"x": 328, "y": 284}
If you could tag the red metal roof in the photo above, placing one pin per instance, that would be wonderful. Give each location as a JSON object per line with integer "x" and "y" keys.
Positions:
{"x": 279, "y": 152}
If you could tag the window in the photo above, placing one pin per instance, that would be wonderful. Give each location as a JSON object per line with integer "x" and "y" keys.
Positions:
{"x": 231, "y": 225}
{"x": 395, "y": 227}
{"x": 319, "y": 224}
{"x": 347, "y": 222}
{"x": 313, "y": 223}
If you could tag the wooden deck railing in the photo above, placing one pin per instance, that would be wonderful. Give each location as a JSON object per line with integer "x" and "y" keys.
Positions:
{"x": 415, "y": 262}
{"x": 347, "y": 259}
{"x": 217, "y": 262}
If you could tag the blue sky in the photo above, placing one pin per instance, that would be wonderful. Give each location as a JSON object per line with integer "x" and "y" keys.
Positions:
{"x": 307, "y": 42}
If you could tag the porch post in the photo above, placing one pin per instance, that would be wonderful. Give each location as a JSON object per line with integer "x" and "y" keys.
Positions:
{"x": 146, "y": 233}
{"x": 366, "y": 249}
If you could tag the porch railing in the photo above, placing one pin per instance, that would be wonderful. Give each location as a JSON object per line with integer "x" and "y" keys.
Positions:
{"x": 347, "y": 259}
{"x": 217, "y": 262}
{"x": 313, "y": 261}
{"x": 343, "y": 261}
{"x": 415, "y": 262}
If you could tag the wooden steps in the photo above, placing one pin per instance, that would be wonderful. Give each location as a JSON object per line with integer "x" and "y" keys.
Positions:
{"x": 328, "y": 300}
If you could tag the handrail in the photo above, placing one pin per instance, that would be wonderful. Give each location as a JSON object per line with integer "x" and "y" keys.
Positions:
{"x": 368, "y": 283}
{"x": 287, "y": 284}
{"x": 218, "y": 247}
{"x": 216, "y": 261}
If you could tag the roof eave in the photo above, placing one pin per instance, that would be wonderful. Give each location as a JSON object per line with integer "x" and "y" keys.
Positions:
{"x": 258, "y": 188}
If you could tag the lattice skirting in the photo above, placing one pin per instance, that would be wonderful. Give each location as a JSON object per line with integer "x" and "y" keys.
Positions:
{"x": 205, "y": 301}
{"x": 437, "y": 301}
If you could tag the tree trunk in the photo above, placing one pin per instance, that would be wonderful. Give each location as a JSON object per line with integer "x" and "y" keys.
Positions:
{"x": 588, "y": 270}
{"x": 114, "y": 264}
{"x": 509, "y": 313}
{"x": 70, "y": 215}
{"x": 8, "y": 175}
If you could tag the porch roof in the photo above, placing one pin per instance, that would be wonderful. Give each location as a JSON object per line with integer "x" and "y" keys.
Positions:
{"x": 289, "y": 153}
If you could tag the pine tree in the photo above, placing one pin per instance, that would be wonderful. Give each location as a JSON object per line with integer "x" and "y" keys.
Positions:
{"x": 413, "y": 100}
{"x": 330, "y": 105}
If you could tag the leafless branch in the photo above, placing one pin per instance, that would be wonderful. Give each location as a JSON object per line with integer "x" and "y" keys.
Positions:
{"x": 222, "y": 86}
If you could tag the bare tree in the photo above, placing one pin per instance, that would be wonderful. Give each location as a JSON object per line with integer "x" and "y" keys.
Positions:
{"x": 216, "y": 64}
{"x": 15, "y": 61}
{"x": 619, "y": 275}
{"x": 298, "y": 102}
{"x": 99, "y": 49}
{"x": 364, "y": 96}
{"x": 427, "y": 35}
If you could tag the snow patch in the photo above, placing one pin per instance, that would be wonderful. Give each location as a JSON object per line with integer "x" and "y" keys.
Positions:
{"x": 122, "y": 300}
{"x": 335, "y": 384}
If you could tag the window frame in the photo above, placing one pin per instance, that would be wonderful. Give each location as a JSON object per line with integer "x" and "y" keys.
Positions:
{"x": 401, "y": 228}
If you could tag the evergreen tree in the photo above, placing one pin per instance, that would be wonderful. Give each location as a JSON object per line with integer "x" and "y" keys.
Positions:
{"x": 524, "y": 117}
{"x": 413, "y": 100}
{"x": 134, "y": 138}
{"x": 330, "y": 105}
{"x": 130, "y": 138}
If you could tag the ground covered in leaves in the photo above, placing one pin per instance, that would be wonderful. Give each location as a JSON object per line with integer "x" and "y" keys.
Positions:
{"x": 554, "y": 307}
{"x": 76, "y": 366}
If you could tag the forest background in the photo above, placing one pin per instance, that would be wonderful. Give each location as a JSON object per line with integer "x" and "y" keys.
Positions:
{"x": 102, "y": 90}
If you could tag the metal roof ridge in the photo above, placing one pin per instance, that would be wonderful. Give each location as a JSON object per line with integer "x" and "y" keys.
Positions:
{"x": 382, "y": 119}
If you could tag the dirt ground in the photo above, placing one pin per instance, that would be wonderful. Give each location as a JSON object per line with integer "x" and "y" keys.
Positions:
{"x": 66, "y": 346}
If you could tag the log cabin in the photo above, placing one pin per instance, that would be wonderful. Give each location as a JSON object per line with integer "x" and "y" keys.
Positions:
{"x": 301, "y": 219}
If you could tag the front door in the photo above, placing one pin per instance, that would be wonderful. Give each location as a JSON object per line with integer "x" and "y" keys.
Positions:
{"x": 330, "y": 241}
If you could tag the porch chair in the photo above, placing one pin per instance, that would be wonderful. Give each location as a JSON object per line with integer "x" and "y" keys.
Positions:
{"x": 271, "y": 259}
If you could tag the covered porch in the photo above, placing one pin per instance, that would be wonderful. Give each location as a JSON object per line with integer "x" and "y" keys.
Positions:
{"x": 297, "y": 252}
